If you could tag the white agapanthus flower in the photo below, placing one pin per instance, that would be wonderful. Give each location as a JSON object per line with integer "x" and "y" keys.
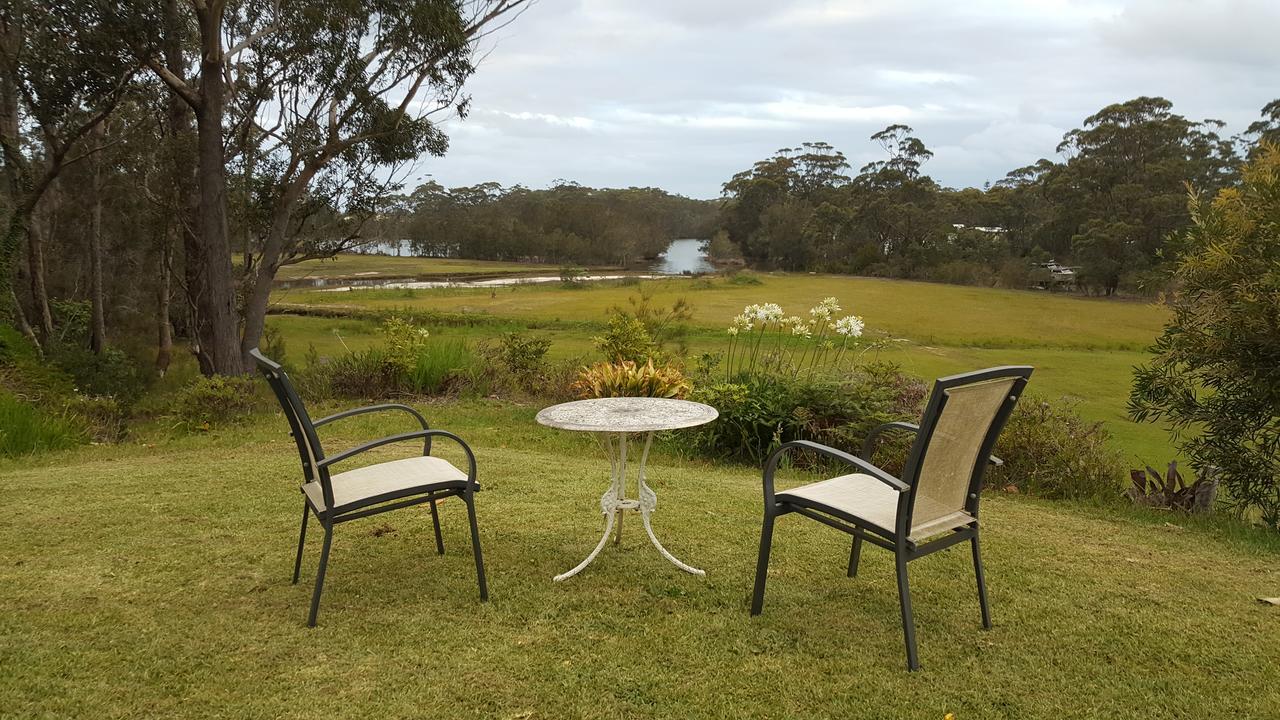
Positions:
{"x": 767, "y": 312}
{"x": 802, "y": 329}
{"x": 850, "y": 326}
{"x": 825, "y": 309}
{"x": 742, "y": 322}
{"x": 733, "y": 330}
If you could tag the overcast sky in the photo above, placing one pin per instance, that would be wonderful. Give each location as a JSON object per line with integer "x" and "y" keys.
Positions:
{"x": 681, "y": 94}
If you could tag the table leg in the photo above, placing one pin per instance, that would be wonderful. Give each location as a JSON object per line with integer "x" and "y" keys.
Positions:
{"x": 614, "y": 503}
{"x": 649, "y": 503}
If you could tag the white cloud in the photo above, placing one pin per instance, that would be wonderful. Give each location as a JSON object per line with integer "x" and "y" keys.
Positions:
{"x": 684, "y": 93}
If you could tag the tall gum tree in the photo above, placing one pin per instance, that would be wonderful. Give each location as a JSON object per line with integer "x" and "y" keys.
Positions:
{"x": 62, "y": 72}
{"x": 314, "y": 101}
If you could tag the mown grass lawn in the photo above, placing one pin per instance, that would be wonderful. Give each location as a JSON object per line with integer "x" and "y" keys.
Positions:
{"x": 152, "y": 580}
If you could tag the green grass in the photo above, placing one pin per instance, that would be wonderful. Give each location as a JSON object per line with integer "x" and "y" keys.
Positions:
{"x": 366, "y": 266}
{"x": 26, "y": 429}
{"x": 1084, "y": 349}
{"x": 152, "y": 580}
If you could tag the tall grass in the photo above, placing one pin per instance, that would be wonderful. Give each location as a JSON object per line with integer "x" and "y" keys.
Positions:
{"x": 440, "y": 362}
{"x": 25, "y": 429}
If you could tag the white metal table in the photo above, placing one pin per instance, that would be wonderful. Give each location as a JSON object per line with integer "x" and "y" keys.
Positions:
{"x": 613, "y": 421}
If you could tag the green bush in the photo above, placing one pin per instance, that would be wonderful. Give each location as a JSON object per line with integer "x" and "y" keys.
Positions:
{"x": 764, "y": 411}
{"x": 26, "y": 429}
{"x": 522, "y": 355}
{"x": 216, "y": 400}
{"x": 113, "y": 372}
{"x": 625, "y": 338}
{"x": 367, "y": 374}
{"x": 103, "y": 417}
{"x": 1050, "y": 451}
{"x": 1215, "y": 375}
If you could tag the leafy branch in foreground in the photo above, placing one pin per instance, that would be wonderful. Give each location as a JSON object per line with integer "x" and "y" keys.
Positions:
{"x": 1215, "y": 377}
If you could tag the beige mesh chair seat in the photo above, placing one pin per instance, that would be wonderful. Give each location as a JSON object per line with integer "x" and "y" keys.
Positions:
{"x": 876, "y": 504}
{"x": 385, "y": 481}
{"x": 932, "y": 507}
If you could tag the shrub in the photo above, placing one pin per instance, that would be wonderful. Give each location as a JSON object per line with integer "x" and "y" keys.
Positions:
{"x": 625, "y": 339}
{"x": 523, "y": 356}
{"x": 764, "y": 411}
{"x": 627, "y": 379}
{"x": 744, "y": 278}
{"x": 403, "y": 341}
{"x": 666, "y": 326}
{"x": 370, "y": 373}
{"x": 113, "y": 372}
{"x": 103, "y": 417}
{"x": 1215, "y": 377}
{"x": 218, "y": 399}
{"x": 1172, "y": 491}
{"x": 1050, "y": 451}
{"x": 26, "y": 429}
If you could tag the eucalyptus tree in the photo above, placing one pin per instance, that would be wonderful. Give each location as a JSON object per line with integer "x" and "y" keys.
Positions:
{"x": 62, "y": 72}
{"x": 1126, "y": 175}
{"x": 312, "y": 102}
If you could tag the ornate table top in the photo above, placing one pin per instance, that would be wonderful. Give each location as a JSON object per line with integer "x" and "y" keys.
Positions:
{"x": 626, "y": 414}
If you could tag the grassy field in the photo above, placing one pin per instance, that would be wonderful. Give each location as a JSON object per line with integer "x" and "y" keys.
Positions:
{"x": 1084, "y": 349}
{"x": 152, "y": 580}
{"x": 365, "y": 266}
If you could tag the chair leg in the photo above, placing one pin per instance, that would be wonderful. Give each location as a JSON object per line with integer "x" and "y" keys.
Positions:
{"x": 324, "y": 565}
{"x": 855, "y": 553}
{"x": 435, "y": 520}
{"x": 982, "y": 584}
{"x": 302, "y": 538}
{"x": 904, "y": 599}
{"x": 762, "y": 564}
{"x": 475, "y": 549}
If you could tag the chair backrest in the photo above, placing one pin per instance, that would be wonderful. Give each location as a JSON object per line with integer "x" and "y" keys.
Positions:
{"x": 304, "y": 433}
{"x": 961, "y": 422}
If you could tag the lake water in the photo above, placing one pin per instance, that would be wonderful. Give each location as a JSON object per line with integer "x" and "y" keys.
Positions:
{"x": 683, "y": 256}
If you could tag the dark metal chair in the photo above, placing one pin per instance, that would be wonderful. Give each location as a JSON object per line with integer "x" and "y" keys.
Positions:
{"x": 339, "y": 497}
{"x": 933, "y": 506}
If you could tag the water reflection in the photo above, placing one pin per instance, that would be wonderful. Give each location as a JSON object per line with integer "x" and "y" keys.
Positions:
{"x": 683, "y": 256}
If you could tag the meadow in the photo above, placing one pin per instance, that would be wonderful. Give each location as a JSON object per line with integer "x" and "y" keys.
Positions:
{"x": 1084, "y": 349}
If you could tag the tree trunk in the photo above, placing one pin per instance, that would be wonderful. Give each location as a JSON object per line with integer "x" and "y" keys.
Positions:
{"x": 35, "y": 266}
{"x": 21, "y": 320}
{"x": 255, "y": 310}
{"x": 185, "y": 201}
{"x": 15, "y": 176}
{"x": 98, "y": 324}
{"x": 164, "y": 330}
{"x": 217, "y": 301}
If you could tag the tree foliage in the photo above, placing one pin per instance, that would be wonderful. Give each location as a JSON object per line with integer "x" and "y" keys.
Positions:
{"x": 1215, "y": 377}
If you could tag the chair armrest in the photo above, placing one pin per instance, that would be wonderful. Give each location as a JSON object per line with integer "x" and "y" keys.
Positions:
{"x": 868, "y": 445}
{"x": 771, "y": 466}
{"x": 372, "y": 408}
{"x": 426, "y": 443}
{"x": 324, "y": 464}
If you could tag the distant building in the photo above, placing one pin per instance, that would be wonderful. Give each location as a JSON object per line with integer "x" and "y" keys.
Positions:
{"x": 1058, "y": 276}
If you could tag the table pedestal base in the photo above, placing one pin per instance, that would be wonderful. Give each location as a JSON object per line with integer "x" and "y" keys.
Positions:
{"x": 615, "y": 502}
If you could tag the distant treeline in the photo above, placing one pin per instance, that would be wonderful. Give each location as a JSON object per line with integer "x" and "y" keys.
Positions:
{"x": 568, "y": 223}
{"x": 1107, "y": 207}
